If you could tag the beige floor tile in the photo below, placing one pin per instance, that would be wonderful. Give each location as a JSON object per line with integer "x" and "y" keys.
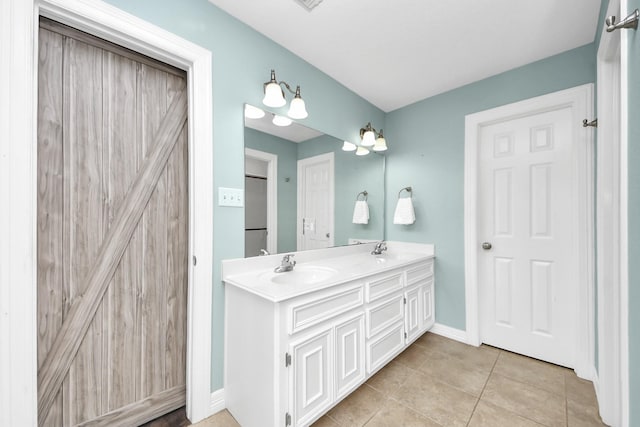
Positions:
{"x": 579, "y": 390}
{"x": 357, "y": 408}
{"x": 583, "y": 415}
{"x": 221, "y": 419}
{"x": 413, "y": 357}
{"x": 389, "y": 379}
{"x": 488, "y": 415}
{"x": 456, "y": 371}
{"x": 325, "y": 421}
{"x": 531, "y": 371}
{"x": 525, "y": 400}
{"x": 395, "y": 414}
{"x": 436, "y": 400}
{"x": 483, "y": 357}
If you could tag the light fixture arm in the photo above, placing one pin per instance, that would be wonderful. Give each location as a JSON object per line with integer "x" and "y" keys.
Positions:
{"x": 280, "y": 83}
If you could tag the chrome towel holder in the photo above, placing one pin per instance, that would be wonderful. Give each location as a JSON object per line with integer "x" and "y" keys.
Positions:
{"x": 408, "y": 190}
{"x": 364, "y": 194}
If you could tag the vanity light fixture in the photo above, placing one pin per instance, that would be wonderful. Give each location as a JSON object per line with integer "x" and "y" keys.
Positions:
{"x": 274, "y": 97}
{"x": 372, "y": 138}
{"x": 362, "y": 151}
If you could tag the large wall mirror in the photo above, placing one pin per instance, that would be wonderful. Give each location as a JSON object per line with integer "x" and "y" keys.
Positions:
{"x": 301, "y": 189}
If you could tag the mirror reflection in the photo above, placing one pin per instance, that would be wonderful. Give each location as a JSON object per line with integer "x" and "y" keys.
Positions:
{"x": 301, "y": 189}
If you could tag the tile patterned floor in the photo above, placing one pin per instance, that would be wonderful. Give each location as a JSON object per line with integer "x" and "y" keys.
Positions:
{"x": 440, "y": 382}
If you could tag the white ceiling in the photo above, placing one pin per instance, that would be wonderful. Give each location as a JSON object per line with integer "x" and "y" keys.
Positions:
{"x": 396, "y": 52}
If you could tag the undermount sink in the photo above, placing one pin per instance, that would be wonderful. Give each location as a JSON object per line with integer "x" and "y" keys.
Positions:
{"x": 302, "y": 275}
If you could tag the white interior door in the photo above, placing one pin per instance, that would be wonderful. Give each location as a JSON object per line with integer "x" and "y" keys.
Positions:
{"x": 527, "y": 289}
{"x": 315, "y": 202}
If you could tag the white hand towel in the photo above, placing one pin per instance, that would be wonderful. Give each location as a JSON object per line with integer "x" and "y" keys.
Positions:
{"x": 361, "y": 212}
{"x": 404, "y": 213}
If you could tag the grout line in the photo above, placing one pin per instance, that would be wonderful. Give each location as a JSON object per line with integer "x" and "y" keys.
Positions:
{"x": 484, "y": 387}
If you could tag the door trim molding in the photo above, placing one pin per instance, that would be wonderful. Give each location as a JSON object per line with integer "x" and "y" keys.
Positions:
{"x": 18, "y": 157}
{"x": 613, "y": 346}
{"x": 580, "y": 100}
{"x": 272, "y": 195}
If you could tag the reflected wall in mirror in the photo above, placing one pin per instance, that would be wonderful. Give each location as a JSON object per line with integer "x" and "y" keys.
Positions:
{"x": 301, "y": 189}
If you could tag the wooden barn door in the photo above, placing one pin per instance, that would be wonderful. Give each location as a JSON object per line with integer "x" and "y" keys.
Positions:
{"x": 112, "y": 232}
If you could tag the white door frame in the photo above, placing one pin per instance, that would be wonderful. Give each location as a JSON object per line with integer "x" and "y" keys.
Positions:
{"x": 580, "y": 100}
{"x": 613, "y": 366}
{"x": 302, "y": 194}
{"x": 18, "y": 156}
{"x": 272, "y": 195}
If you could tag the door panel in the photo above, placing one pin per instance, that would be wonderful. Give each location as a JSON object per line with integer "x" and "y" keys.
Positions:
{"x": 527, "y": 291}
{"x": 316, "y": 202}
{"x": 99, "y": 112}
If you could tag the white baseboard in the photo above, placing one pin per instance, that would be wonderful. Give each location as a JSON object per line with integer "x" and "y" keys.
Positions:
{"x": 449, "y": 332}
{"x": 217, "y": 402}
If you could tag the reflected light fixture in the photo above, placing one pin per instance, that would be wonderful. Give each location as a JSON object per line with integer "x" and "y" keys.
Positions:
{"x": 362, "y": 151}
{"x": 252, "y": 112}
{"x": 349, "y": 146}
{"x": 281, "y": 120}
{"x": 274, "y": 97}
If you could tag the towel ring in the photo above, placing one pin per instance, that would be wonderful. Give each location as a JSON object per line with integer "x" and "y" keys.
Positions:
{"x": 364, "y": 194}
{"x": 407, "y": 189}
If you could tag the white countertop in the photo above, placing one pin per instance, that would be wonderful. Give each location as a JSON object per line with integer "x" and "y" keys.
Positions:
{"x": 340, "y": 265}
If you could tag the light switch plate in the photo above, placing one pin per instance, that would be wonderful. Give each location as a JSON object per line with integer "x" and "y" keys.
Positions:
{"x": 230, "y": 197}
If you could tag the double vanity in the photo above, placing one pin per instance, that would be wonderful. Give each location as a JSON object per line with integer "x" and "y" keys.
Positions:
{"x": 299, "y": 341}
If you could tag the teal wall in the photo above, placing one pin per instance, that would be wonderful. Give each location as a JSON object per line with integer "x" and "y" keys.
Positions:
{"x": 634, "y": 220}
{"x": 426, "y": 141}
{"x": 242, "y": 59}
{"x": 287, "y": 182}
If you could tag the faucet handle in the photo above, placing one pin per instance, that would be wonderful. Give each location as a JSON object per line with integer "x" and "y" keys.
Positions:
{"x": 287, "y": 258}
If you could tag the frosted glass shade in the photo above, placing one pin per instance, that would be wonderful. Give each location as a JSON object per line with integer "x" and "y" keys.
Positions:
{"x": 368, "y": 139}
{"x": 281, "y": 120}
{"x": 273, "y": 96}
{"x": 252, "y": 112}
{"x": 297, "y": 109}
{"x": 348, "y": 146}
{"x": 380, "y": 145}
{"x": 361, "y": 151}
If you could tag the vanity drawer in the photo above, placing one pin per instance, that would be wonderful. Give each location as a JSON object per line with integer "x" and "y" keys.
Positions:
{"x": 385, "y": 313}
{"x": 421, "y": 271}
{"x": 385, "y": 346}
{"x": 309, "y": 312}
{"x": 381, "y": 286}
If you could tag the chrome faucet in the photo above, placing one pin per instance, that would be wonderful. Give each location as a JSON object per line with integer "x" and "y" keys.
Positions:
{"x": 263, "y": 252}
{"x": 287, "y": 264}
{"x": 380, "y": 247}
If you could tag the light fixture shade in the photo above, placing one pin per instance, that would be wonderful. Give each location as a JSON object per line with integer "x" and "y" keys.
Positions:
{"x": 380, "y": 145}
{"x": 361, "y": 151}
{"x": 273, "y": 95}
{"x": 251, "y": 112}
{"x": 349, "y": 146}
{"x": 369, "y": 138}
{"x": 281, "y": 120}
{"x": 297, "y": 108}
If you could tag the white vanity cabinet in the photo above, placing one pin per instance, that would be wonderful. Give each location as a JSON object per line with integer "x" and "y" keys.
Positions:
{"x": 288, "y": 362}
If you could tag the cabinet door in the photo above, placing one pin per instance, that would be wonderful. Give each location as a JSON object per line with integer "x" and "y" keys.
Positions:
{"x": 349, "y": 365}
{"x": 312, "y": 381}
{"x": 413, "y": 313}
{"x": 428, "y": 317}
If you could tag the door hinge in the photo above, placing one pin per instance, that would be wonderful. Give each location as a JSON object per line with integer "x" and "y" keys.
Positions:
{"x": 287, "y": 360}
{"x": 405, "y": 300}
{"x": 405, "y": 335}
{"x": 287, "y": 419}
{"x": 195, "y": 260}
